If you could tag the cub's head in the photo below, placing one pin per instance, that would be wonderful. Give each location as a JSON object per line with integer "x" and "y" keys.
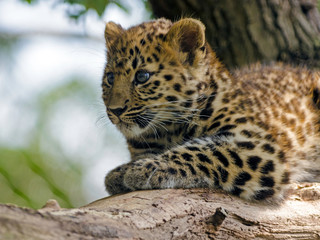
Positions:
{"x": 151, "y": 78}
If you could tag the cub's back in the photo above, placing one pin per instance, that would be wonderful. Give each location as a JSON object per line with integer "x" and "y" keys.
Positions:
{"x": 286, "y": 102}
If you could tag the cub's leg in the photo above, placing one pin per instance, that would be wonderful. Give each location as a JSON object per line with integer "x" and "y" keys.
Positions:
{"x": 251, "y": 170}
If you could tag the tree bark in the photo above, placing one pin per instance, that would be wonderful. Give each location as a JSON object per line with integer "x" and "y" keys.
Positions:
{"x": 169, "y": 214}
{"x": 244, "y": 32}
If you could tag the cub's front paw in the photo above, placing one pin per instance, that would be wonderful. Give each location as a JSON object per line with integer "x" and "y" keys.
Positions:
{"x": 114, "y": 181}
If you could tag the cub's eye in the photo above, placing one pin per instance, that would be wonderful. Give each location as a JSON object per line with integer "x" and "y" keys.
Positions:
{"x": 142, "y": 76}
{"x": 110, "y": 78}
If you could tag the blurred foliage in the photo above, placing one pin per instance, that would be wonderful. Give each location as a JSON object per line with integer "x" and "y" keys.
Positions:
{"x": 78, "y": 8}
{"x": 29, "y": 178}
{"x": 31, "y": 175}
{"x": 39, "y": 170}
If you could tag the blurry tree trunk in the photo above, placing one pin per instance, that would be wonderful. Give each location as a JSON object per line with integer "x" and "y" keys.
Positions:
{"x": 243, "y": 32}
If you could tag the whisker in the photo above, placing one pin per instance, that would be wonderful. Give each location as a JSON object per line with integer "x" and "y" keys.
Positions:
{"x": 151, "y": 126}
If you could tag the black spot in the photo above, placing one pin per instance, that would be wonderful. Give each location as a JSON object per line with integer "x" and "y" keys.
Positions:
{"x": 172, "y": 171}
{"x": 204, "y": 158}
{"x": 266, "y": 181}
{"x": 242, "y": 178}
{"x": 225, "y": 100}
{"x": 285, "y": 178}
{"x": 168, "y": 77}
{"x": 246, "y": 133}
{"x": 187, "y": 104}
{"x": 282, "y": 157}
{"x": 187, "y": 157}
{"x": 135, "y": 108}
{"x": 263, "y": 125}
{"x": 206, "y": 113}
{"x": 157, "y": 83}
{"x": 218, "y": 117}
{"x": 246, "y": 145}
{"x": 177, "y": 87}
{"x": 171, "y": 98}
{"x": 236, "y": 191}
{"x": 120, "y": 64}
{"x": 241, "y": 120}
{"x": 149, "y": 37}
{"x": 268, "y": 148}
{"x": 214, "y": 125}
{"x": 226, "y": 128}
{"x": 161, "y": 35}
{"x": 193, "y": 148}
{"x": 268, "y": 167}
{"x": 183, "y": 172}
{"x": 128, "y": 71}
{"x": 149, "y": 165}
{"x": 204, "y": 169}
{"x": 202, "y": 48}
{"x": 156, "y": 97}
{"x": 210, "y": 100}
{"x": 223, "y": 174}
{"x": 165, "y": 156}
{"x": 191, "y": 169}
{"x": 224, "y": 109}
{"x": 253, "y": 162}
{"x": 149, "y": 60}
{"x": 161, "y": 66}
{"x": 155, "y": 56}
{"x": 160, "y": 179}
{"x": 191, "y": 132}
{"x": 190, "y": 92}
{"x": 221, "y": 158}
{"x": 131, "y": 52}
{"x": 142, "y": 42}
{"x": 137, "y": 49}
{"x": 142, "y": 59}
{"x": 269, "y": 138}
{"x": 158, "y": 49}
{"x": 216, "y": 178}
{"x": 263, "y": 194}
{"x": 236, "y": 159}
{"x": 177, "y": 162}
{"x": 124, "y": 49}
{"x": 134, "y": 63}
{"x": 316, "y": 97}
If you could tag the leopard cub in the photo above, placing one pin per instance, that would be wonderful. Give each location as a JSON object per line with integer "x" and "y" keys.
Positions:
{"x": 190, "y": 123}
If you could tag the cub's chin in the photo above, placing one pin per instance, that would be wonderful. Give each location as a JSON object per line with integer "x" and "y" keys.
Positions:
{"x": 131, "y": 130}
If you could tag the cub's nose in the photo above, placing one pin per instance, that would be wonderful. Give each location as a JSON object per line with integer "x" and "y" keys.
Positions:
{"x": 118, "y": 111}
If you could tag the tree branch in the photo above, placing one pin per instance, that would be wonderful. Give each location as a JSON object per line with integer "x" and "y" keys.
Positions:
{"x": 169, "y": 214}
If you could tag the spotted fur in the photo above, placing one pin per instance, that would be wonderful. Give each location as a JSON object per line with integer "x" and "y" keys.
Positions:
{"x": 192, "y": 123}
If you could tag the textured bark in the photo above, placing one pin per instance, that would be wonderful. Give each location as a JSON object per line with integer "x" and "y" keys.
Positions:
{"x": 243, "y": 32}
{"x": 169, "y": 214}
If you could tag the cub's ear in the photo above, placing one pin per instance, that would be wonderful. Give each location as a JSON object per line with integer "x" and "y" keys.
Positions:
{"x": 186, "y": 35}
{"x": 112, "y": 32}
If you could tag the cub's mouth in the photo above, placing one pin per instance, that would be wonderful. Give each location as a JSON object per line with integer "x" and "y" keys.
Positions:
{"x": 133, "y": 123}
